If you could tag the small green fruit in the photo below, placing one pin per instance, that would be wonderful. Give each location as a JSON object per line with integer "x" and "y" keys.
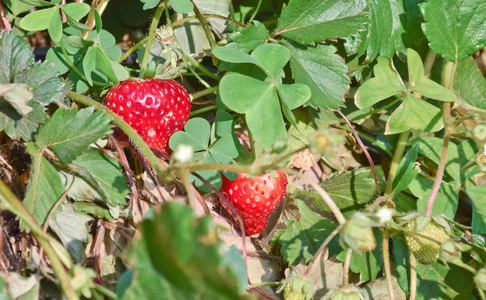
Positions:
{"x": 296, "y": 288}
{"x": 425, "y": 243}
{"x": 349, "y": 292}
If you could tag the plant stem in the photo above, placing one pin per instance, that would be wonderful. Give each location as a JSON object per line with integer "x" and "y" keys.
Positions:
{"x": 375, "y": 111}
{"x": 255, "y": 285}
{"x": 207, "y": 16}
{"x": 127, "y": 129}
{"x": 5, "y": 22}
{"x": 397, "y": 157}
{"x": 205, "y": 92}
{"x": 347, "y": 262}
{"x": 368, "y": 156}
{"x": 191, "y": 197}
{"x": 413, "y": 277}
{"x": 386, "y": 259}
{"x": 10, "y": 202}
{"x": 132, "y": 49}
{"x": 150, "y": 38}
{"x": 447, "y": 81}
{"x": 325, "y": 196}
{"x": 205, "y": 25}
{"x": 203, "y": 110}
{"x": 256, "y": 11}
{"x": 365, "y": 137}
{"x": 321, "y": 248}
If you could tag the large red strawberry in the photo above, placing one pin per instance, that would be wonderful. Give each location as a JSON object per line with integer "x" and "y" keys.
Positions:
{"x": 254, "y": 198}
{"x": 154, "y": 108}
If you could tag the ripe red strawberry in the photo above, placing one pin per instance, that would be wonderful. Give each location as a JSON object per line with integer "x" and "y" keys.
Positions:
{"x": 254, "y": 198}
{"x": 154, "y": 108}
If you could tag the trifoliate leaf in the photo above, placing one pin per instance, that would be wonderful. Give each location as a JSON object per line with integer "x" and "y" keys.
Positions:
{"x": 44, "y": 188}
{"x": 307, "y": 22}
{"x": 322, "y": 71}
{"x": 386, "y": 83}
{"x": 39, "y": 19}
{"x": 43, "y": 81}
{"x": 248, "y": 38}
{"x": 422, "y": 85}
{"x": 455, "y": 29}
{"x": 69, "y": 132}
{"x": 416, "y": 114}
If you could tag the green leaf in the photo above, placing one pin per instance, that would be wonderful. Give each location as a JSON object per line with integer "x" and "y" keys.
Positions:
{"x": 303, "y": 238}
{"x": 393, "y": 26}
{"x": 260, "y": 104}
{"x": 476, "y": 193}
{"x": 422, "y": 85}
{"x": 470, "y": 83}
{"x": 196, "y": 134}
{"x": 18, "y": 96}
{"x": 416, "y": 114}
{"x": 367, "y": 264}
{"x": 18, "y": 127}
{"x": 407, "y": 170}
{"x": 307, "y": 22}
{"x": 15, "y": 56}
{"x": 233, "y": 55}
{"x": 223, "y": 123}
{"x": 93, "y": 208}
{"x": 76, "y": 10}
{"x": 350, "y": 191}
{"x": 69, "y": 132}
{"x": 55, "y": 26}
{"x": 322, "y": 71}
{"x": 235, "y": 262}
{"x": 431, "y": 147}
{"x": 248, "y": 38}
{"x": 43, "y": 81}
{"x": 385, "y": 84}
{"x": 99, "y": 178}
{"x": 72, "y": 229}
{"x": 149, "y": 4}
{"x": 39, "y": 19}
{"x": 182, "y": 6}
{"x": 455, "y": 29}
{"x": 272, "y": 58}
{"x": 179, "y": 255}
{"x": 44, "y": 188}
{"x": 445, "y": 202}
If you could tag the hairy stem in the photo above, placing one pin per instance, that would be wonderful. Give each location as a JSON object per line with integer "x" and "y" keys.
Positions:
{"x": 447, "y": 81}
{"x": 205, "y": 25}
{"x": 10, "y": 202}
{"x": 325, "y": 196}
{"x": 132, "y": 49}
{"x": 413, "y": 277}
{"x": 150, "y": 37}
{"x": 368, "y": 156}
{"x": 347, "y": 262}
{"x": 207, "y": 16}
{"x": 386, "y": 259}
{"x": 397, "y": 157}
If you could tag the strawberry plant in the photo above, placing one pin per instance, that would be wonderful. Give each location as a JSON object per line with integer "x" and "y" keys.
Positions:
{"x": 288, "y": 149}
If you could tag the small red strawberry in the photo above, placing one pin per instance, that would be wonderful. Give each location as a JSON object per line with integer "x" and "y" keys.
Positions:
{"x": 254, "y": 198}
{"x": 154, "y": 108}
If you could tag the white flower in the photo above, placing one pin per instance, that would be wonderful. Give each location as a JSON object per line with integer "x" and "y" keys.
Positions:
{"x": 183, "y": 153}
{"x": 385, "y": 215}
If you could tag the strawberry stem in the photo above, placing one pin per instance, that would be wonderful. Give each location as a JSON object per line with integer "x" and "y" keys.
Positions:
{"x": 347, "y": 262}
{"x": 413, "y": 277}
{"x": 150, "y": 38}
{"x": 325, "y": 196}
{"x": 204, "y": 25}
{"x": 386, "y": 260}
{"x": 447, "y": 81}
{"x": 9, "y": 201}
{"x": 132, "y": 49}
{"x": 397, "y": 157}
